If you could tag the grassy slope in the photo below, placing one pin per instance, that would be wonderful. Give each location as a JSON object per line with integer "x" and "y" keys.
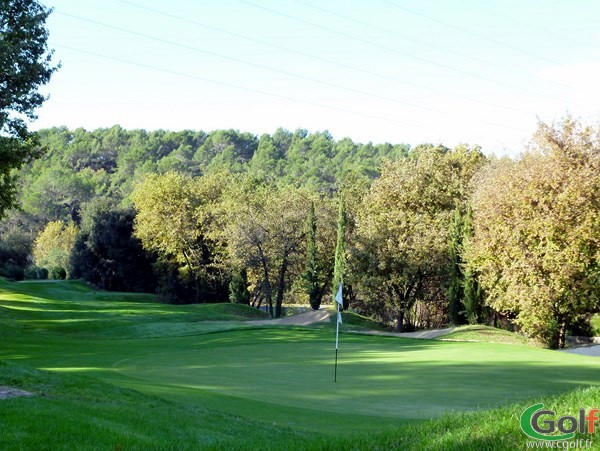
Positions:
{"x": 73, "y": 309}
{"x": 596, "y": 325}
{"x": 485, "y": 334}
{"x": 280, "y": 376}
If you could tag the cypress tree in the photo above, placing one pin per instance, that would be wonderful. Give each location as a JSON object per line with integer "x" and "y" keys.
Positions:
{"x": 455, "y": 291}
{"x": 238, "y": 288}
{"x": 339, "y": 267}
{"x": 311, "y": 276}
{"x": 471, "y": 287}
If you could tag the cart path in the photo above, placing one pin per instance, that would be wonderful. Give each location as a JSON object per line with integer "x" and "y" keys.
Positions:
{"x": 593, "y": 350}
{"x": 423, "y": 334}
{"x": 316, "y": 316}
{"x": 303, "y": 319}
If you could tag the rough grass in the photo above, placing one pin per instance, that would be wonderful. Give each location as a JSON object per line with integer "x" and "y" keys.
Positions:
{"x": 486, "y": 334}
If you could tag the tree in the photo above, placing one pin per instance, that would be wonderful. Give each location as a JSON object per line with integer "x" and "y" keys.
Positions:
{"x": 107, "y": 254}
{"x": 311, "y": 276}
{"x": 402, "y": 251}
{"x": 25, "y": 65}
{"x": 266, "y": 232}
{"x": 238, "y": 288}
{"x": 472, "y": 296}
{"x": 455, "y": 291}
{"x": 180, "y": 219}
{"x": 536, "y": 242}
{"x": 339, "y": 267}
{"x": 53, "y": 247}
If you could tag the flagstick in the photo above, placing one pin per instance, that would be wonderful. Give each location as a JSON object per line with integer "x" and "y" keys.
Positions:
{"x": 337, "y": 332}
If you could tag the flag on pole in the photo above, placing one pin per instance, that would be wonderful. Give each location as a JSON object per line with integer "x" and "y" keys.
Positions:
{"x": 338, "y": 296}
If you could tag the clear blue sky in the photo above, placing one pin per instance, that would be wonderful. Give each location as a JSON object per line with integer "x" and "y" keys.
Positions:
{"x": 401, "y": 71}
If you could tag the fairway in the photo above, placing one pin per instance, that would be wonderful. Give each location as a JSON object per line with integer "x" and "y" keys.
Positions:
{"x": 280, "y": 375}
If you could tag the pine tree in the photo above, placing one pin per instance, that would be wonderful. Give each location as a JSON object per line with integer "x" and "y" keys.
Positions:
{"x": 311, "y": 276}
{"x": 339, "y": 267}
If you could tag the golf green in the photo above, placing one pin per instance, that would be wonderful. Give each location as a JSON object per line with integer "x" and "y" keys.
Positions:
{"x": 285, "y": 375}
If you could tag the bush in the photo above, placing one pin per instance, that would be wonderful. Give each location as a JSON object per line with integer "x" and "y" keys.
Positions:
{"x": 12, "y": 271}
{"x": 35, "y": 273}
{"x": 57, "y": 273}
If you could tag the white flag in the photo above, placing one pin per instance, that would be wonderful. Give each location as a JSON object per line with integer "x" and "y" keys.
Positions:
{"x": 338, "y": 296}
{"x": 339, "y": 318}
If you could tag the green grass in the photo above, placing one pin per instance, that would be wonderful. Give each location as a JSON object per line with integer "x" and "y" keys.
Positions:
{"x": 485, "y": 334}
{"x": 354, "y": 322}
{"x": 128, "y": 371}
{"x": 595, "y": 325}
{"x": 71, "y": 308}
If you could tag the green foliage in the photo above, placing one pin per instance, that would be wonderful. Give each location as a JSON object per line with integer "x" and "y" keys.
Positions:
{"x": 595, "y": 325}
{"x": 536, "y": 235}
{"x": 180, "y": 219}
{"x": 473, "y": 297}
{"x": 81, "y": 165}
{"x": 238, "y": 288}
{"x": 311, "y": 275}
{"x": 402, "y": 252}
{"x": 53, "y": 247}
{"x": 455, "y": 291}
{"x": 339, "y": 268}
{"x": 24, "y": 67}
{"x": 107, "y": 255}
{"x": 35, "y": 273}
{"x": 266, "y": 233}
{"x": 15, "y": 249}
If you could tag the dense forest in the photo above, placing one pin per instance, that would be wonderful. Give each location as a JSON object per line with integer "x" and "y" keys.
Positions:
{"x": 430, "y": 235}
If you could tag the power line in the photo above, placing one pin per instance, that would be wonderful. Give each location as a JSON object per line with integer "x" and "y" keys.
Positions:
{"x": 231, "y": 85}
{"x": 468, "y": 32}
{"x": 412, "y": 39}
{"x": 145, "y": 36}
{"x": 524, "y": 25}
{"x": 256, "y": 65}
{"x": 325, "y": 60}
{"x": 393, "y": 50}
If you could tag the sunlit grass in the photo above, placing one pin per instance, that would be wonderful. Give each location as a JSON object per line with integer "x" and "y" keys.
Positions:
{"x": 242, "y": 384}
{"x": 487, "y": 334}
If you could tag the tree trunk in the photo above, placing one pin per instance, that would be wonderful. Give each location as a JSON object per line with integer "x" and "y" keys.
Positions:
{"x": 400, "y": 319}
{"x": 280, "y": 286}
{"x": 562, "y": 334}
{"x": 196, "y": 281}
{"x": 267, "y": 290}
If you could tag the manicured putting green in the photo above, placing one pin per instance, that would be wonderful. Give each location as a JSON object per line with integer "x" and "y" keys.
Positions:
{"x": 389, "y": 377}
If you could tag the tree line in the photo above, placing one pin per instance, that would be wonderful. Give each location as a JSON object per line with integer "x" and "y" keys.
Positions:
{"x": 431, "y": 235}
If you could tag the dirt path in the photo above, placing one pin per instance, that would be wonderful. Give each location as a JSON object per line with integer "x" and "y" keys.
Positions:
{"x": 9, "y": 392}
{"x": 303, "y": 319}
